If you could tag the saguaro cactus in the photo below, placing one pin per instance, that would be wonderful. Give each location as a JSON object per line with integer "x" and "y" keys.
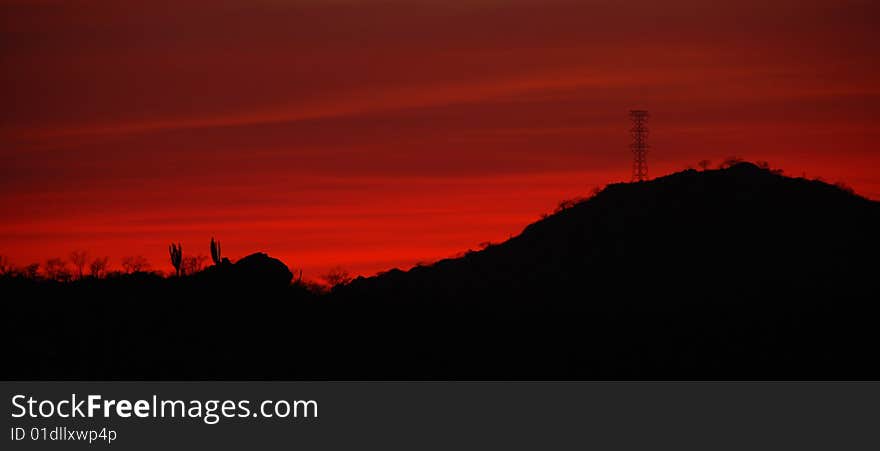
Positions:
{"x": 176, "y": 252}
{"x": 215, "y": 251}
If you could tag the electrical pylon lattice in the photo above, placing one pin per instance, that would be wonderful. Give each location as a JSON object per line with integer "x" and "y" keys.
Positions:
{"x": 639, "y": 146}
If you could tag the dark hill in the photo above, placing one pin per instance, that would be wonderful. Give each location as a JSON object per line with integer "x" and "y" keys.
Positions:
{"x": 257, "y": 271}
{"x": 732, "y": 273}
{"x": 704, "y": 236}
{"x": 738, "y": 273}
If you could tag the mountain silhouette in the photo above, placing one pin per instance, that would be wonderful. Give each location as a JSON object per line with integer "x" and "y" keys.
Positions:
{"x": 736, "y": 273}
{"x": 690, "y": 234}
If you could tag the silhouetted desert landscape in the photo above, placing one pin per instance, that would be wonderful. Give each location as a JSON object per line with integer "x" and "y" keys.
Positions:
{"x": 733, "y": 273}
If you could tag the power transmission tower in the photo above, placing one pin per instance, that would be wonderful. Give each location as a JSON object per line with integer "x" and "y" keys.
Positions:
{"x": 639, "y": 146}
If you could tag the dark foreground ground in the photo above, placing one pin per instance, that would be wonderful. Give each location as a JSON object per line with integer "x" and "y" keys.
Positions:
{"x": 732, "y": 274}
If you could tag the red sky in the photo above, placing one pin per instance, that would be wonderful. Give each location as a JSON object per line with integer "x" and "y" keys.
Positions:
{"x": 373, "y": 134}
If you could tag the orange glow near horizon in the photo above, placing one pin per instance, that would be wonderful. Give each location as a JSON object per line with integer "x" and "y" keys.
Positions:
{"x": 372, "y": 135}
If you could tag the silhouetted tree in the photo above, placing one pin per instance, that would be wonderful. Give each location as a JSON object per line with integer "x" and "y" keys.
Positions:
{"x": 704, "y": 164}
{"x": 56, "y": 269}
{"x": 215, "y": 251}
{"x": 80, "y": 260}
{"x": 193, "y": 264}
{"x": 176, "y": 253}
{"x": 730, "y": 161}
{"x": 6, "y": 268}
{"x": 568, "y": 203}
{"x": 98, "y": 267}
{"x": 337, "y": 276}
{"x": 31, "y": 271}
{"x": 134, "y": 264}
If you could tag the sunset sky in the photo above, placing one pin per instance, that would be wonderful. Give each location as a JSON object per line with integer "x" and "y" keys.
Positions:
{"x": 374, "y": 134}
